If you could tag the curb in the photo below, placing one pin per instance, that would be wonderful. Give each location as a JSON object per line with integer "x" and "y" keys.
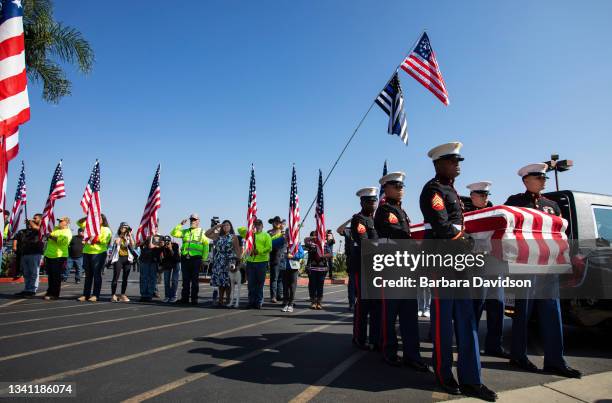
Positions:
{"x": 19, "y": 280}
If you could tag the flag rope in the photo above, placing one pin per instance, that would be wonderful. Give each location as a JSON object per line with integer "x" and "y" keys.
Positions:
{"x": 358, "y": 127}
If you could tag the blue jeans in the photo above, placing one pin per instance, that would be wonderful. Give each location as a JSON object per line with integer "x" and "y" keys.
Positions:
{"x": 77, "y": 263}
{"x": 276, "y": 282}
{"x": 256, "y": 274}
{"x": 171, "y": 280}
{"x": 30, "y": 265}
{"x": 93, "y": 266}
{"x": 148, "y": 279}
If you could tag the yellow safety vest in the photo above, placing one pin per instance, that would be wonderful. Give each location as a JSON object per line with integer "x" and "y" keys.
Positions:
{"x": 195, "y": 242}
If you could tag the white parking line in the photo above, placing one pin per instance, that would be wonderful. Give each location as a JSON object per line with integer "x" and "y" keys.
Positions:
{"x": 103, "y": 364}
{"x": 313, "y": 390}
{"x": 64, "y": 316}
{"x": 53, "y": 329}
{"x": 113, "y": 336}
{"x": 228, "y": 363}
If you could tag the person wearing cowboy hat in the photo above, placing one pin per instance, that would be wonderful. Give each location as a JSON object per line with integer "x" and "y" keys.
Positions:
{"x": 443, "y": 214}
{"x": 548, "y": 310}
{"x": 56, "y": 254}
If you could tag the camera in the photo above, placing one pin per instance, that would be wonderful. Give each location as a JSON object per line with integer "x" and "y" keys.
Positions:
{"x": 214, "y": 221}
{"x": 161, "y": 240}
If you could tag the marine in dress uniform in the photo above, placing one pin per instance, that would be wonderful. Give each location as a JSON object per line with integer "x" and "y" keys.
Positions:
{"x": 367, "y": 311}
{"x": 491, "y": 298}
{"x": 392, "y": 222}
{"x": 548, "y": 310}
{"x": 443, "y": 214}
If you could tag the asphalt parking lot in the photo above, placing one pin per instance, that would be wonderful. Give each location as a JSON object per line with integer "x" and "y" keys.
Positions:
{"x": 159, "y": 352}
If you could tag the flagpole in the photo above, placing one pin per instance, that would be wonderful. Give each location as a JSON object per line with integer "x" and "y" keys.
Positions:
{"x": 26, "y": 203}
{"x": 359, "y": 126}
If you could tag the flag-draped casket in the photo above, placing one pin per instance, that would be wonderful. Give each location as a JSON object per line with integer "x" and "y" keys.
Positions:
{"x": 526, "y": 238}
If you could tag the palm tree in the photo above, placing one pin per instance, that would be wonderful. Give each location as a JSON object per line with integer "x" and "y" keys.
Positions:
{"x": 49, "y": 43}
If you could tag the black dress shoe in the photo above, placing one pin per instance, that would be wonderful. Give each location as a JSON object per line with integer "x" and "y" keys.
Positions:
{"x": 360, "y": 345}
{"x": 393, "y": 361}
{"x": 525, "y": 365}
{"x": 20, "y": 294}
{"x": 479, "y": 392}
{"x": 565, "y": 371}
{"x": 450, "y": 386}
{"x": 182, "y": 301}
{"x": 417, "y": 365}
{"x": 501, "y": 353}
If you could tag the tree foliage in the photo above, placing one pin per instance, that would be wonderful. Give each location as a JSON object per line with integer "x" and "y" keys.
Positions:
{"x": 50, "y": 44}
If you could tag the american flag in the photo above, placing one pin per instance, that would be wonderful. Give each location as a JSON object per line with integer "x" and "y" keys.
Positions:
{"x": 9, "y": 148}
{"x": 381, "y": 193}
{"x": 294, "y": 216}
{"x": 149, "y": 222}
{"x": 14, "y": 103}
{"x": 529, "y": 239}
{"x": 320, "y": 233}
{"x": 251, "y": 214}
{"x": 56, "y": 191}
{"x": 421, "y": 64}
{"x": 91, "y": 206}
{"x": 391, "y": 100}
{"x": 18, "y": 205}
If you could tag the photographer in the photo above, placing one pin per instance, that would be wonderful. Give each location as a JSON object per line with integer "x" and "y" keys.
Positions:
{"x": 122, "y": 260}
{"x": 150, "y": 254}
{"x": 28, "y": 249}
{"x": 170, "y": 265}
{"x": 227, "y": 251}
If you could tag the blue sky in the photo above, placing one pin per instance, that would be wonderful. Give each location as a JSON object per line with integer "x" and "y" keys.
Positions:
{"x": 207, "y": 87}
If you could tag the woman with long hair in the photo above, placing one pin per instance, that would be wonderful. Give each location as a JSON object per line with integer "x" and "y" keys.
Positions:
{"x": 227, "y": 252}
{"x": 122, "y": 260}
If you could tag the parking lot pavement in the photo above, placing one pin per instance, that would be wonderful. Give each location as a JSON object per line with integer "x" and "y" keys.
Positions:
{"x": 159, "y": 352}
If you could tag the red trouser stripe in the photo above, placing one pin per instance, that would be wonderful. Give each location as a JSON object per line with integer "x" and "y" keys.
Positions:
{"x": 357, "y": 313}
{"x": 437, "y": 341}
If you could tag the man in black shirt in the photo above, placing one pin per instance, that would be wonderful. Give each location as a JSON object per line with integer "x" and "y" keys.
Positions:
{"x": 75, "y": 257}
{"x": 29, "y": 248}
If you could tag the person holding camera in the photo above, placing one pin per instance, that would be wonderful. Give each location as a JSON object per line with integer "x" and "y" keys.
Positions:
{"x": 56, "y": 253}
{"x": 150, "y": 256}
{"x": 94, "y": 258}
{"x": 227, "y": 252}
{"x": 28, "y": 250}
{"x": 194, "y": 250}
{"x": 170, "y": 265}
{"x": 122, "y": 260}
